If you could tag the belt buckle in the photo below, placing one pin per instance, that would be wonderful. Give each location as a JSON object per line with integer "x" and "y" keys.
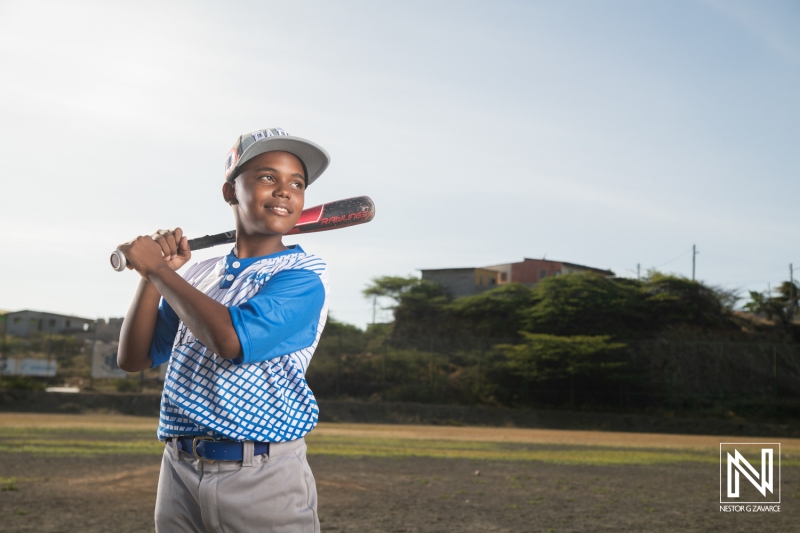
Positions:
{"x": 194, "y": 448}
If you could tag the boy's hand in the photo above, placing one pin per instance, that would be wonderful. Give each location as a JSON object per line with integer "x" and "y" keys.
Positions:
{"x": 148, "y": 253}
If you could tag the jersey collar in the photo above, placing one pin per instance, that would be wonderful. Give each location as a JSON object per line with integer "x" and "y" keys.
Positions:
{"x": 233, "y": 263}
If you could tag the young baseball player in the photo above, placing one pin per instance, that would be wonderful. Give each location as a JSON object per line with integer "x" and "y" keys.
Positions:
{"x": 238, "y": 332}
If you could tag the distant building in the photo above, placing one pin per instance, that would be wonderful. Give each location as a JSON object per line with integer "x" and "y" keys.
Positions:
{"x": 532, "y": 271}
{"x": 27, "y": 322}
{"x": 464, "y": 281}
{"x": 24, "y": 323}
{"x": 467, "y": 281}
{"x": 106, "y": 331}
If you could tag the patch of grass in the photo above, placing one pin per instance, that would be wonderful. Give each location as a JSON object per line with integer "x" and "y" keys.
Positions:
{"x": 77, "y": 431}
{"x": 72, "y": 442}
{"x": 21, "y": 512}
{"x": 78, "y": 442}
{"x": 444, "y": 449}
{"x": 79, "y": 448}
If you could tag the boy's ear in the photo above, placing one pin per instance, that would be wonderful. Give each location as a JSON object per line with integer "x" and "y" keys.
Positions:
{"x": 229, "y": 193}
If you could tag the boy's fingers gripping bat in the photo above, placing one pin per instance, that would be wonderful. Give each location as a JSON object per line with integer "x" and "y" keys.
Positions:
{"x": 333, "y": 215}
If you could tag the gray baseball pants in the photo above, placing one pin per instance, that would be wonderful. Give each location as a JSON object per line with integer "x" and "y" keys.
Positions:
{"x": 272, "y": 493}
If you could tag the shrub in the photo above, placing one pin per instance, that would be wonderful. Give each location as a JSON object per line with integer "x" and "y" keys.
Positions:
{"x": 22, "y": 383}
{"x": 127, "y": 385}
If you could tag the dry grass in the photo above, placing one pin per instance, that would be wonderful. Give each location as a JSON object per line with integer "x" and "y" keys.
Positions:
{"x": 91, "y": 435}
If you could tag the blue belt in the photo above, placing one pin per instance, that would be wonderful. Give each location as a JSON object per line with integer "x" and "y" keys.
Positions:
{"x": 205, "y": 448}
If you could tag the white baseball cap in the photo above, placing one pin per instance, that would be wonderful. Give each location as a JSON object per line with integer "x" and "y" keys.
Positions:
{"x": 313, "y": 157}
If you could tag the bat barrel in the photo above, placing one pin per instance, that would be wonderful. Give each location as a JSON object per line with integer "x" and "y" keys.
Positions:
{"x": 333, "y": 215}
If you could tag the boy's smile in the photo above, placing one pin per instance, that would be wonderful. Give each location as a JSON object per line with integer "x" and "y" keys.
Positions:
{"x": 268, "y": 195}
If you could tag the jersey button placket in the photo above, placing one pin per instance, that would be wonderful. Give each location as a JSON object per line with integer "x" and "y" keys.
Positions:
{"x": 227, "y": 280}
{"x": 231, "y": 271}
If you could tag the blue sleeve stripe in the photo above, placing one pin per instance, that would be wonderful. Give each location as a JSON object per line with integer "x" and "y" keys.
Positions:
{"x": 164, "y": 334}
{"x": 282, "y": 318}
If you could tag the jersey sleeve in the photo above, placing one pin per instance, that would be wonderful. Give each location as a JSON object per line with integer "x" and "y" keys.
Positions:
{"x": 164, "y": 334}
{"x": 282, "y": 318}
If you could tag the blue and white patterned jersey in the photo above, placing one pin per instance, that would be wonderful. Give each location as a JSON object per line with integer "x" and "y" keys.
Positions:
{"x": 278, "y": 304}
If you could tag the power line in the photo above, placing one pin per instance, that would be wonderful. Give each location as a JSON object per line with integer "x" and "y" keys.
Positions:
{"x": 677, "y": 257}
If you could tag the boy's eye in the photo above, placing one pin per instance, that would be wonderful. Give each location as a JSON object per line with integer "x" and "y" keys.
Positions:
{"x": 266, "y": 177}
{"x": 298, "y": 185}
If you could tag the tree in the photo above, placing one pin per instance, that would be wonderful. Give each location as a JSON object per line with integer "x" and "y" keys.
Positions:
{"x": 497, "y": 313}
{"x": 393, "y": 287}
{"x": 782, "y": 307}
{"x": 546, "y": 357}
{"x": 572, "y": 304}
{"x": 788, "y": 295}
{"x": 588, "y": 304}
{"x": 422, "y": 314}
{"x": 679, "y": 300}
{"x": 541, "y": 356}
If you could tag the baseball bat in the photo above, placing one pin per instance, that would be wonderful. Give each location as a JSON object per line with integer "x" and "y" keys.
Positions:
{"x": 324, "y": 217}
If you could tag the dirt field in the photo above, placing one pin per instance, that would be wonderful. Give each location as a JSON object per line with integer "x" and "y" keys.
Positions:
{"x": 98, "y": 474}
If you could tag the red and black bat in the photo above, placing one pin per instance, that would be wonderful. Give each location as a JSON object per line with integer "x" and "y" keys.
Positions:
{"x": 333, "y": 215}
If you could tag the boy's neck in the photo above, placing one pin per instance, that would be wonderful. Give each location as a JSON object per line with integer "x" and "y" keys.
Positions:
{"x": 257, "y": 245}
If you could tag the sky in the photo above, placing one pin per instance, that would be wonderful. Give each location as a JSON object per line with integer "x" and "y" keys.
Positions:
{"x": 606, "y": 133}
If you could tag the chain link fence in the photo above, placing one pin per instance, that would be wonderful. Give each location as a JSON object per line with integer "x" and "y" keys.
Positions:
{"x": 720, "y": 377}
{"x": 658, "y": 375}
{"x": 69, "y": 362}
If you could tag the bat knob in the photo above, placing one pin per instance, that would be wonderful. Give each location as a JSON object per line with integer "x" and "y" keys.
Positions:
{"x": 118, "y": 261}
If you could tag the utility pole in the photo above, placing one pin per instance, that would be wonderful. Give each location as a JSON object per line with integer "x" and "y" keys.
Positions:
{"x": 694, "y": 259}
{"x": 91, "y": 357}
{"x": 374, "y": 306}
{"x": 638, "y": 271}
{"x": 4, "y": 320}
{"x": 791, "y": 292}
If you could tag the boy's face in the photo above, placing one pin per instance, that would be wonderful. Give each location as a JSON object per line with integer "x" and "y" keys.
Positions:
{"x": 268, "y": 194}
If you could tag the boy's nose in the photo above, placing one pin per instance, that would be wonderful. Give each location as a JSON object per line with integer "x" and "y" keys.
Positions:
{"x": 282, "y": 190}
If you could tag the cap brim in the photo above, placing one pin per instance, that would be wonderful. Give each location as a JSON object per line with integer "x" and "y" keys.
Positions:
{"x": 313, "y": 156}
